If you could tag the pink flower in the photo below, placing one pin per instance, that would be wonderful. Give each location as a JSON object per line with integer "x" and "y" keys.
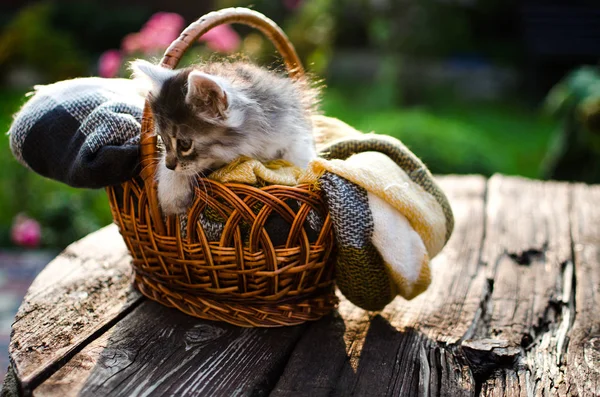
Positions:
{"x": 152, "y": 41}
{"x": 131, "y": 43}
{"x": 26, "y": 232}
{"x": 165, "y": 21}
{"x": 109, "y": 63}
{"x": 222, "y": 38}
{"x": 156, "y": 35}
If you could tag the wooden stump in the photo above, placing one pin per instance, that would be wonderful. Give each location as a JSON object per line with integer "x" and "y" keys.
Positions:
{"x": 513, "y": 310}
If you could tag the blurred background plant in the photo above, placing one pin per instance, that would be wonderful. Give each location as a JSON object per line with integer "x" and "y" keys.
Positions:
{"x": 459, "y": 81}
{"x": 575, "y": 150}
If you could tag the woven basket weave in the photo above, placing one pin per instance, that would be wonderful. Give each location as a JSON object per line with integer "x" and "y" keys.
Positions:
{"x": 243, "y": 278}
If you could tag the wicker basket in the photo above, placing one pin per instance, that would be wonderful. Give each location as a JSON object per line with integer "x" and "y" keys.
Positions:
{"x": 243, "y": 278}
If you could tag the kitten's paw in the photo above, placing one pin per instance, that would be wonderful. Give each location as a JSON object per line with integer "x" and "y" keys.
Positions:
{"x": 175, "y": 193}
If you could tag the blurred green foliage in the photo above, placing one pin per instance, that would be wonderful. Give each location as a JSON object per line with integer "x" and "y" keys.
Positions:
{"x": 65, "y": 214}
{"x": 575, "y": 150}
{"x": 310, "y": 25}
{"x": 97, "y": 26}
{"x": 30, "y": 40}
{"x": 56, "y": 40}
{"x": 449, "y": 136}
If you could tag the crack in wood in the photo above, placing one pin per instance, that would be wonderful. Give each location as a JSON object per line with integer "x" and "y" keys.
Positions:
{"x": 493, "y": 357}
{"x": 582, "y": 374}
{"x": 488, "y": 358}
{"x": 442, "y": 369}
{"x": 553, "y": 314}
{"x": 525, "y": 257}
{"x": 482, "y": 310}
{"x": 570, "y": 290}
{"x": 478, "y": 325}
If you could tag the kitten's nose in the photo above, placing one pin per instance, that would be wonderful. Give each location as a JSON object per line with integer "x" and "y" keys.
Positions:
{"x": 171, "y": 163}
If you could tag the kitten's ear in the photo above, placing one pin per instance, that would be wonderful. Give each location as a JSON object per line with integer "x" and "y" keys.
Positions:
{"x": 205, "y": 92}
{"x": 150, "y": 77}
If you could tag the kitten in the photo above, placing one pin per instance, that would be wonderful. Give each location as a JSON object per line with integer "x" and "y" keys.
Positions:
{"x": 210, "y": 114}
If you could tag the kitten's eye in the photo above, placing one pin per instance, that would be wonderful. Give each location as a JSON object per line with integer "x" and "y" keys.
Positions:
{"x": 184, "y": 146}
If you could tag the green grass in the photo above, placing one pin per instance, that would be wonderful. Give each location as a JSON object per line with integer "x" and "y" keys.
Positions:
{"x": 452, "y": 137}
{"x": 449, "y": 137}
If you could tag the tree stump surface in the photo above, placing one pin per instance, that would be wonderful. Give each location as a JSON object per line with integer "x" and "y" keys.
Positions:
{"x": 513, "y": 310}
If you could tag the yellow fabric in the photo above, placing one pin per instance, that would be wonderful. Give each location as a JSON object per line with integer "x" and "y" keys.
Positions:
{"x": 378, "y": 174}
{"x": 253, "y": 172}
{"x": 406, "y": 288}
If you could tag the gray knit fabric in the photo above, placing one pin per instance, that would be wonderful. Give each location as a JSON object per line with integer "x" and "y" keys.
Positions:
{"x": 360, "y": 272}
{"x": 83, "y": 132}
{"x": 349, "y": 208}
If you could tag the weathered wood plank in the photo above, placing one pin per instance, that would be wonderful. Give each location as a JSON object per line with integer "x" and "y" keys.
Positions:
{"x": 584, "y": 345}
{"x": 526, "y": 249}
{"x": 507, "y": 383}
{"x": 527, "y": 252}
{"x": 157, "y": 351}
{"x": 75, "y": 296}
{"x": 401, "y": 352}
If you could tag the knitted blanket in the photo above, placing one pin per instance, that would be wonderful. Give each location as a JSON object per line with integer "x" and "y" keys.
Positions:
{"x": 390, "y": 217}
{"x": 83, "y": 132}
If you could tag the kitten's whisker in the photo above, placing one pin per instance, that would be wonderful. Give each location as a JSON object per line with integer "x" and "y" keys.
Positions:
{"x": 153, "y": 160}
{"x": 195, "y": 181}
{"x": 146, "y": 167}
{"x": 206, "y": 177}
{"x": 201, "y": 175}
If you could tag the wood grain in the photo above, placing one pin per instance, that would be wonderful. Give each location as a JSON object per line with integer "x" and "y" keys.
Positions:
{"x": 527, "y": 255}
{"x": 584, "y": 345}
{"x": 401, "y": 351}
{"x": 157, "y": 351}
{"x": 507, "y": 383}
{"x": 82, "y": 290}
{"x": 527, "y": 247}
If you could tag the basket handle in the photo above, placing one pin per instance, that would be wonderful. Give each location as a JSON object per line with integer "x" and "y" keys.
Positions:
{"x": 173, "y": 54}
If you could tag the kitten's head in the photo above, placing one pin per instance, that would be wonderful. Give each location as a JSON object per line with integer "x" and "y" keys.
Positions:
{"x": 192, "y": 116}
